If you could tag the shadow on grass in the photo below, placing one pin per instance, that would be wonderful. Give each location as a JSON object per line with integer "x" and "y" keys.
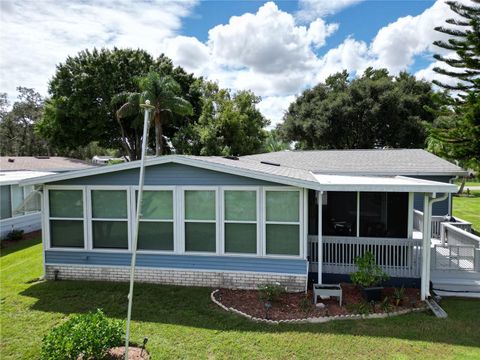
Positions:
{"x": 10, "y": 247}
{"x": 187, "y": 306}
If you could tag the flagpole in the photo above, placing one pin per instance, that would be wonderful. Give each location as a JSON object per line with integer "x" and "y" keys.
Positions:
{"x": 148, "y": 108}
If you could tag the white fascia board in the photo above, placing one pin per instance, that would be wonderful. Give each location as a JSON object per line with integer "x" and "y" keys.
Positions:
{"x": 205, "y": 164}
{"x": 382, "y": 184}
{"x": 16, "y": 177}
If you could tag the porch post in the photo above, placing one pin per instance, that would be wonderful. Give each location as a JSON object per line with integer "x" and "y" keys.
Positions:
{"x": 320, "y": 240}
{"x": 427, "y": 226}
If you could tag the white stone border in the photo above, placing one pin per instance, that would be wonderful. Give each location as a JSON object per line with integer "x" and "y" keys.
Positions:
{"x": 314, "y": 320}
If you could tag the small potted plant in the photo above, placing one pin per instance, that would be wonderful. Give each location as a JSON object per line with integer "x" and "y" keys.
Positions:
{"x": 368, "y": 277}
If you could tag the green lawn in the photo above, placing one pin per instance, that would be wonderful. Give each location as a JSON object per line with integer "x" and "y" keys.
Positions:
{"x": 468, "y": 208}
{"x": 182, "y": 323}
{"x": 468, "y": 183}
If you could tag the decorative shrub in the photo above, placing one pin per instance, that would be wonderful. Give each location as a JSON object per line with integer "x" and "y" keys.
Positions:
{"x": 398, "y": 295}
{"x": 369, "y": 273}
{"x": 306, "y": 304}
{"x": 88, "y": 335}
{"x": 270, "y": 292}
{"x": 15, "y": 235}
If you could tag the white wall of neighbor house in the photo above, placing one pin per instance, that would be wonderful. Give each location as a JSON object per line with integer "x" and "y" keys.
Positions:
{"x": 12, "y": 197}
{"x": 194, "y": 220}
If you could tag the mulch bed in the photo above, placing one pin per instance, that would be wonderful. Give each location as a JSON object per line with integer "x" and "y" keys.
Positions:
{"x": 26, "y": 236}
{"x": 134, "y": 353}
{"x": 294, "y": 306}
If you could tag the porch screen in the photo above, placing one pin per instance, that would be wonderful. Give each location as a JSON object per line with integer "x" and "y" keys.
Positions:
{"x": 66, "y": 218}
{"x": 282, "y": 222}
{"x": 109, "y": 219}
{"x": 200, "y": 220}
{"x": 5, "y": 202}
{"x": 340, "y": 213}
{"x": 156, "y": 223}
{"x": 240, "y": 221}
{"x": 384, "y": 214}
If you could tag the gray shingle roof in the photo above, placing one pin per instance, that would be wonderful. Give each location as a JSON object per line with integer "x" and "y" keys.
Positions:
{"x": 32, "y": 163}
{"x": 363, "y": 162}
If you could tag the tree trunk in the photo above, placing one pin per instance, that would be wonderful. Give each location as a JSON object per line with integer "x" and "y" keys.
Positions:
{"x": 462, "y": 185}
{"x": 158, "y": 134}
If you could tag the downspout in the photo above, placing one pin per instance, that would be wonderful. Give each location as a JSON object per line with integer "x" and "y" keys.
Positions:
{"x": 429, "y": 200}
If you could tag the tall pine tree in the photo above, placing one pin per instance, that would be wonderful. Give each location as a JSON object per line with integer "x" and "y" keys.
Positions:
{"x": 465, "y": 42}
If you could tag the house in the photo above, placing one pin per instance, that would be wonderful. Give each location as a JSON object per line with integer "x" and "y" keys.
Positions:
{"x": 243, "y": 221}
{"x": 15, "y": 213}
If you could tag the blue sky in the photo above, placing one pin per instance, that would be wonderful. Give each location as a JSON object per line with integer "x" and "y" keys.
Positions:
{"x": 275, "y": 48}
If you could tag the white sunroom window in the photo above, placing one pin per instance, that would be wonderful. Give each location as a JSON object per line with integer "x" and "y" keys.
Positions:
{"x": 282, "y": 222}
{"x": 17, "y": 199}
{"x": 109, "y": 219}
{"x": 240, "y": 221}
{"x": 66, "y": 224}
{"x": 200, "y": 220}
{"x": 156, "y": 231}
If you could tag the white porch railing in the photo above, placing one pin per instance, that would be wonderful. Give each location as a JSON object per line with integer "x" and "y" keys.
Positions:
{"x": 397, "y": 257}
{"x": 437, "y": 222}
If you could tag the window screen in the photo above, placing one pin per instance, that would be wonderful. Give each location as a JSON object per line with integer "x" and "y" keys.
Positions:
{"x": 200, "y": 220}
{"x": 66, "y": 218}
{"x": 282, "y": 222}
{"x": 109, "y": 219}
{"x": 340, "y": 214}
{"x": 240, "y": 231}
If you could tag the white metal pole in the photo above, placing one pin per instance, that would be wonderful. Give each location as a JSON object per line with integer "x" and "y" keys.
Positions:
{"x": 148, "y": 108}
{"x": 320, "y": 238}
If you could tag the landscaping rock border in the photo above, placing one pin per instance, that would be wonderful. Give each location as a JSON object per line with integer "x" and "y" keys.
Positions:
{"x": 314, "y": 320}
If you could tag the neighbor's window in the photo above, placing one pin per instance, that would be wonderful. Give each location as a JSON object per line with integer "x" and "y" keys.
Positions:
{"x": 66, "y": 218}
{"x": 200, "y": 220}
{"x": 240, "y": 221}
{"x": 17, "y": 199}
{"x": 383, "y": 214}
{"x": 156, "y": 223}
{"x": 339, "y": 213}
{"x": 109, "y": 219}
{"x": 282, "y": 222}
{"x": 5, "y": 202}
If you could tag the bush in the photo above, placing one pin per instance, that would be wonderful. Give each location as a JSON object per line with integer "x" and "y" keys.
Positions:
{"x": 87, "y": 335}
{"x": 369, "y": 273}
{"x": 15, "y": 235}
{"x": 270, "y": 292}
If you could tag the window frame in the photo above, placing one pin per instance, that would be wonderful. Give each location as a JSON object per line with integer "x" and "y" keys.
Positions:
{"x": 183, "y": 221}
{"x": 174, "y": 220}
{"x": 47, "y": 218}
{"x": 223, "y": 221}
{"x": 299, "y": 222}
{"x": 91, "y": 219}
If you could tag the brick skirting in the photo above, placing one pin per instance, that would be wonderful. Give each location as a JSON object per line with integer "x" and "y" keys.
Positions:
{"x": 230, "y": 280}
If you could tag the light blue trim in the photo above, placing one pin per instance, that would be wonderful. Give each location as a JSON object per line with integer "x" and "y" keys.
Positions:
{"x": 166, "y": 174}
{"x": 186, "y": 262}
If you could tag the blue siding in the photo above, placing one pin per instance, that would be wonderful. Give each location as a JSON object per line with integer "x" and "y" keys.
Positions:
{"x": 189, "y": 262}
{"x": 440, "y": 208}
{"x": 166, "y": 174}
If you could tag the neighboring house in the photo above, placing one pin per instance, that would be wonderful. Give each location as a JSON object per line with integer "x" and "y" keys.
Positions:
{"x": 244, "y": 221}
{"x": 16, "y": 213}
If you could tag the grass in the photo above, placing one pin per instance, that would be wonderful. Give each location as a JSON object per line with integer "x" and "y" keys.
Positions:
{"x": 468, "y": 208}
{"x": 182, "y": 323}
{"x": 468, "y": 182}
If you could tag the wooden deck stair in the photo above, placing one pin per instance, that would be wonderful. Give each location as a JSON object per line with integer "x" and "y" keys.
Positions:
{"x": 436, "y": 309}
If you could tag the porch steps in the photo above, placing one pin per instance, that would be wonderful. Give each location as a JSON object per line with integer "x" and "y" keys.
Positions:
{"x": 436, "y": 309}
{"x": 456, "y": 283}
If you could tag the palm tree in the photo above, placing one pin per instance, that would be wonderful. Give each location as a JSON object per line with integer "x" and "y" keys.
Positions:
{"x": 130, "y": 119}
{"x": 165, "y": 94}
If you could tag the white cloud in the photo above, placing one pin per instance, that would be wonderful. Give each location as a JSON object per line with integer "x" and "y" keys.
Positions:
{"x": 37, "y": 35}
{"x": 274, "y": 107}
{"x": 313, "y": 9}
{"x": 396, "y": 44}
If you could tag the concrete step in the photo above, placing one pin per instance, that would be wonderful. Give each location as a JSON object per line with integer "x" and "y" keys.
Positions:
{"x": 447, "y": 287}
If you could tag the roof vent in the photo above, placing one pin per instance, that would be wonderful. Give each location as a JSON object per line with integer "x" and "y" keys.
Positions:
{"x": 42, "y": 157}
{"x": 270, "y": 163}
{"x": 231, "y": 157}
{"x": 11, "y": 160}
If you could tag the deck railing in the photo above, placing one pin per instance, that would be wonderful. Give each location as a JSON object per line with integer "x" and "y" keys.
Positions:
{"x": 437, "y": 222}
{"x": 397, "y": 257}
{"x": 452, "y": 234}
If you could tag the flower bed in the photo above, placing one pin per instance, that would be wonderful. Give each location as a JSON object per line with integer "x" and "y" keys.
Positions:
{"x": 300, "y": 306}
